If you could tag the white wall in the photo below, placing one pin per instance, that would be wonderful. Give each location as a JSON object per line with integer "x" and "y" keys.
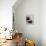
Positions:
{"x": 43, "y": 22}
{"x": 6, "y": 13}
{"x": 6, "y": 18}
{"x": 31, "y": 31}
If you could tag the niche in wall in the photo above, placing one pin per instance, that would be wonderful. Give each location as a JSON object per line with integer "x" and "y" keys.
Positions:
{"x": 30, "y": 19}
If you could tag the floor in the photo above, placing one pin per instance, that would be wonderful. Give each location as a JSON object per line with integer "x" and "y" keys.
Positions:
{"x": 9, "y": 43}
